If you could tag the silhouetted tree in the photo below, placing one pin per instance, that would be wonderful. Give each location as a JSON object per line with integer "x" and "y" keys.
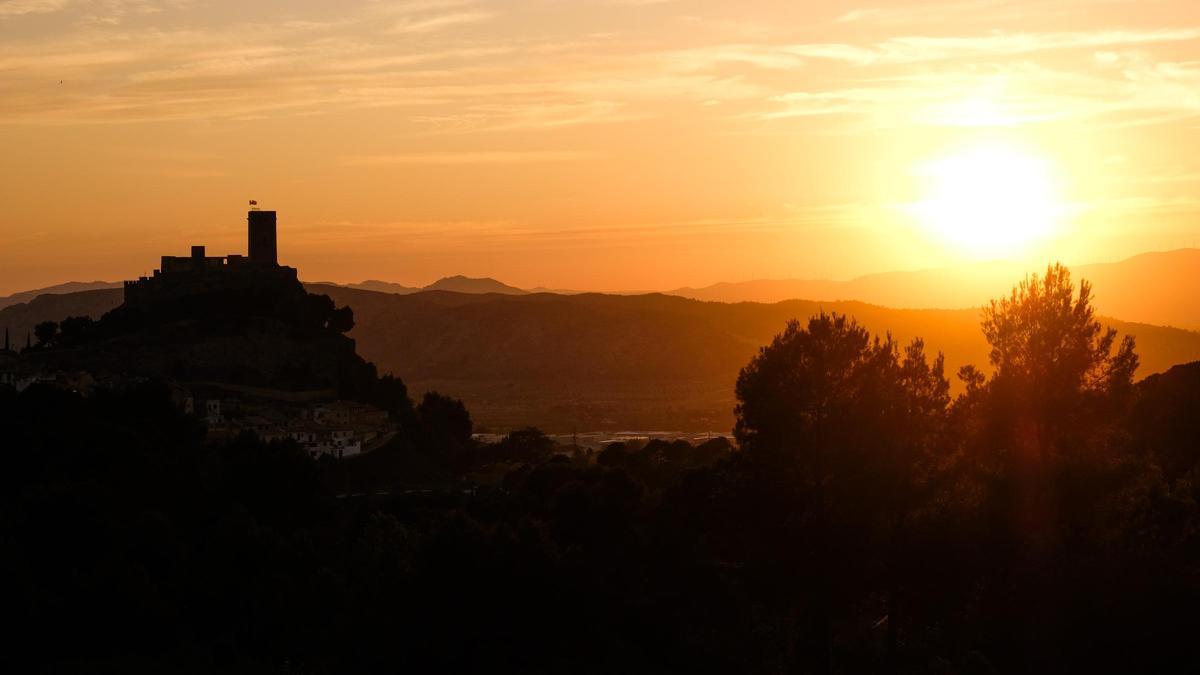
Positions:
{"x": 1060, "y": 380}
{"x": 444, "y": 426}
{"x": 1051, "y": 353}
{"x": 45, "y": 332}
{"x": 613, "y": 455}
{"x": 712, "y": 450}
{"x": 319, "y": 311}
{"x": 523, "y": 445}
{"x": 1042, "y": 459}
{"x": 846, "y": 431}
{"x": 75, "y": 329}
{"x": 391, "y": 394}
{"x": 1164, "y": 422}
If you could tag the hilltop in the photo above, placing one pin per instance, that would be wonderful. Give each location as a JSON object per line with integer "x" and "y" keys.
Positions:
{"x": 276, "y": 335}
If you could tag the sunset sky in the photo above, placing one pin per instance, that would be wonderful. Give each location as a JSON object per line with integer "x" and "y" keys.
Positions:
{"x": 595, "y": 144}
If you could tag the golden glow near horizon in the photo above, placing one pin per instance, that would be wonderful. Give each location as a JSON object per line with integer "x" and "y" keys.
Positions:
{"x": 595, "y": 144}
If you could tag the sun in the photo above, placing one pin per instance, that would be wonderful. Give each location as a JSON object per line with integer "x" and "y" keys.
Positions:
{"x": 989, "y": 200}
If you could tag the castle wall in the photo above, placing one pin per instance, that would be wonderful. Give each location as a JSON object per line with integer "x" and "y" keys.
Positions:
{"x": 178, "y": 284}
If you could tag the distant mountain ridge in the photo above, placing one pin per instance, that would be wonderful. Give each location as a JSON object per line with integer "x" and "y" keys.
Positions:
{"x": 57, "y": 289}
{"x": 1152, "y": 288}
{"x": 1155, "y": 288}
{"x": 382, "y": 287}
{"x": 20, "y": 318}
{"x": 461, "y": 284}
{"x": 457, "y": 284}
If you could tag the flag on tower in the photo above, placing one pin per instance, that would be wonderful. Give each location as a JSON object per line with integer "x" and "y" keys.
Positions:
{"x": 253, "y": 202}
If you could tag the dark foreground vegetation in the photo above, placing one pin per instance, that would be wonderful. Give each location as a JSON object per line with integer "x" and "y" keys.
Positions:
{"x": 1046, "y": 520}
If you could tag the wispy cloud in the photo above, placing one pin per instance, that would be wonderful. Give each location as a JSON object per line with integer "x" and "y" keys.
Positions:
{"x": 429, "y": 24}
{"x": 88, "y": 12}
{"x": 479, "y": 157}
{"x": 917, "y": 48}
{"x": 23, "y": 7}
{"x": 901, "y": 12}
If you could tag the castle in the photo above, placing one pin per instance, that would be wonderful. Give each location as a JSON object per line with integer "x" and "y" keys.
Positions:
{"x": 181, "y": 276}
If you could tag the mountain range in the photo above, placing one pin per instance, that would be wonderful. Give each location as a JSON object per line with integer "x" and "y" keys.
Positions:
{"x": 59, "y": 289}
{"x": 455, "y": 284}
{"x": 604, "y": 361}
{"x": 1158, "y": 288}
{"x": 1154, "y": 288}
{"x": 594, "y": 361}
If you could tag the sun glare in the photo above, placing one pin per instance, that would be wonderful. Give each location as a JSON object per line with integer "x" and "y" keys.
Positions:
{"x": 989, "y": 200}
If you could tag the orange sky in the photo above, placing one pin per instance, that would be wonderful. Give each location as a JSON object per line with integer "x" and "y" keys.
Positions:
{"x": 590, "y": 144}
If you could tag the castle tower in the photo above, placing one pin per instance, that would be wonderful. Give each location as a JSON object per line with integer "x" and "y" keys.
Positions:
{"x": 261, "y": 230}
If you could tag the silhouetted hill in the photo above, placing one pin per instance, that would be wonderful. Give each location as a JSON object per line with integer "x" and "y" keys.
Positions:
{"x": 272, "y": 334}
{"x": 1151, "y": 287}
{"x": 58, "y": 289}
{"x": 1165, "y": 420}
{"x": 383, "y": 287}
{"x": 461, "y": 284}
